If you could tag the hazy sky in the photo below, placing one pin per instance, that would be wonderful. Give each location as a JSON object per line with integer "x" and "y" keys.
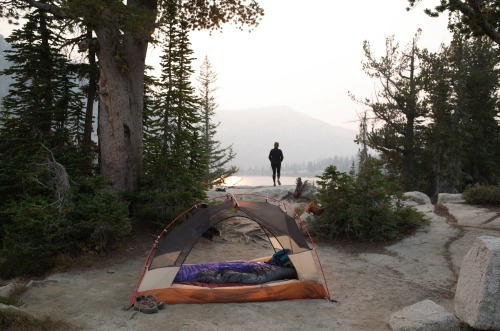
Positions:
{"x": 307, "y": 54}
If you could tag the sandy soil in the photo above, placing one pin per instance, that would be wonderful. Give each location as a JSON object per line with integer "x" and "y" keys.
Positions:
{"x": 367, "y": 282}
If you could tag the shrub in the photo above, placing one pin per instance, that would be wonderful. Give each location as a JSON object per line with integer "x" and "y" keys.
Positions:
{"x": 162, "y": 199}
{"x": 99, "y": 216}
{"x": 482, "y": 195}
{"x": 37, "y": 229}
{"x": 18, "y": 320}
{"x": 366, "y": 206}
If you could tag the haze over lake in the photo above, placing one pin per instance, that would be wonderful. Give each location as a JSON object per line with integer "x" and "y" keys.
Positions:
{"x": 264, "y": 180}
{"x": 302, "y": 138}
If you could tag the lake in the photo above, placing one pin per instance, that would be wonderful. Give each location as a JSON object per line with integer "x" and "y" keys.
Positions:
{"x": 262, "y": 180}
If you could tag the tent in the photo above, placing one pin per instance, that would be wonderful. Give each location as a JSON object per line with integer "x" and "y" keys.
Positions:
{"x": 166, "y": 276}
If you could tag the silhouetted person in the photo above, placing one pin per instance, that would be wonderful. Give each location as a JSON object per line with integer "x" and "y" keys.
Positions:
{"x": 276, "y": 156}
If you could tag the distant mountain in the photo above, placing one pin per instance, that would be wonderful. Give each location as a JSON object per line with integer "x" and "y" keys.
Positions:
{"x": 252, "y": 132}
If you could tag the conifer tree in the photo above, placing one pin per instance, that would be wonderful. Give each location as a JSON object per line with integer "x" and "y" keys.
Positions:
{"x": 217, "y": 168}
{"x": 174, "y": 160}
{"x": 50, "y": 202}
{"x": 441, "y": 166}
{"x": 42, "y": 110}
{"x": 398, "y": 109}
{"x": 477, "y": 97}
{"x": 462, "y": 89}
{"x": 124, "y": 29}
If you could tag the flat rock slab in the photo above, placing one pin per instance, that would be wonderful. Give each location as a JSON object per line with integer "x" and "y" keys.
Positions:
{"x": 450, "y": 198}
{"x": 468, "y": 215}
{"x": 424, "y": 316}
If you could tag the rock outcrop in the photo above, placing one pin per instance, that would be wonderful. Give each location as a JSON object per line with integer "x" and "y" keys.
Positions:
{"x": 424, "y": 316}
{"x": 477, "y": 298}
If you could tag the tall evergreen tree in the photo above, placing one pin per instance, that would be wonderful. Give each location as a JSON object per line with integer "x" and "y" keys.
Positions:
{"x": 398, "y": 110}
{"x": 473, "y": 127}
{"x": 478, "y": 97}
{"x": 442, "y": 167}
{"x": 42, "y": 110}
{"x": 362, "y": 137}
{"x": 219, "y": 157}
{"x": 124, "y": 30}
{"x": 48, "y": 202}
{"x": 175, "y": 162}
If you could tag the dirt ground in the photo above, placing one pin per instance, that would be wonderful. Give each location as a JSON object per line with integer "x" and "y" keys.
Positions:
{"x": 367, "y": 283}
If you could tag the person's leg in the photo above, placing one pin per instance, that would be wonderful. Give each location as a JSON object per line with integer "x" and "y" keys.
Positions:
{"x": 273, "y": 166}
{"x": 278, "y": 170}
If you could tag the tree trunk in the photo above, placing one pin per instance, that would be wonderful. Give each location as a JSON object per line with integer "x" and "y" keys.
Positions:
{"x": 409, "y": 177}
{"x": 121, "y": 65}
{"x": 91, "y": 92}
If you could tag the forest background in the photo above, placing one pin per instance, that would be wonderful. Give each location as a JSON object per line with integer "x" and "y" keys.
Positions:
{"x": 433, "y": 124}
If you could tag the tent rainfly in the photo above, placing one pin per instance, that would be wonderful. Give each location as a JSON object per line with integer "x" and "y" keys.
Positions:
{"x": 165, "y": 275}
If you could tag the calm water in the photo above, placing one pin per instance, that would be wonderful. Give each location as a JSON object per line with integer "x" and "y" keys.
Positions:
{"x": 263, "y": 180}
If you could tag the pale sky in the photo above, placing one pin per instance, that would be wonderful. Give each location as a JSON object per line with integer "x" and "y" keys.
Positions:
{"x": 307, "y": 54}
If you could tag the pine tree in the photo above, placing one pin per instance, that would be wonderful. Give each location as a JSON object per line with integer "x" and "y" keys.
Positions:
{"x": 441, "y": 166}
{"x": 50, "y": 202}
{"x": 398, "y": 109}
{"x": 362, "y": 137}
{"x": 460, "y": 141}
{"x": 124, "y": 30}
{"x": 475, "y": 83}
{"x": 218, "y": 157}
{"x": 175, "y": 161}
{"x": 42, "y": 111}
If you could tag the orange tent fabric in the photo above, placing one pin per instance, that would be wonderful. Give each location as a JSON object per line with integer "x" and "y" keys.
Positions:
{"x": 175, "y": 242}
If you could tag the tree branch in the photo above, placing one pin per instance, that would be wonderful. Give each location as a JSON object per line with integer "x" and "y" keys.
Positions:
{"x": 475, "y": 14}
{"x": 49, "y": 8}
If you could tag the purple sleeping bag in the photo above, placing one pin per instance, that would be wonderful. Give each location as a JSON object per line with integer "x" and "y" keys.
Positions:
{"x": 233, "y": 272}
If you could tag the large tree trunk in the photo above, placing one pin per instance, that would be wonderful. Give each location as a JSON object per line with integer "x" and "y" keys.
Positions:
{"x": 91, "y": 92}
{"x": 121, "y": 65}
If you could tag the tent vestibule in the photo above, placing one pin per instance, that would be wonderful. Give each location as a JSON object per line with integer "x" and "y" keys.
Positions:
{"x": 160, "y": 274}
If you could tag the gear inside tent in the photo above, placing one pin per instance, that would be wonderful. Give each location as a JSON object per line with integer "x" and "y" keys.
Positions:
{"x": 287, "y": 268}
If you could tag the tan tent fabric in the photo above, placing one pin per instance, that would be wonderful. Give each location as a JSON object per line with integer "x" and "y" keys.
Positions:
{"x": 173, "y": 246}
{"x": 158, "y": 278}
{"x": 305, "y": 266}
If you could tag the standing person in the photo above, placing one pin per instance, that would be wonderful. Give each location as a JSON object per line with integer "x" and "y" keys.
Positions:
{"x": 276, "y": 156}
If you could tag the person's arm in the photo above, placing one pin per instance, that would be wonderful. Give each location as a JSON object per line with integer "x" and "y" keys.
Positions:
{"x": 281, "y": 156}
{"x": 270, "y": 153}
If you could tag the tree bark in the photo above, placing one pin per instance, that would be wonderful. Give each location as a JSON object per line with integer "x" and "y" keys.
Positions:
{"x": 91, "y": 91}
{"x": 121, "y": 65}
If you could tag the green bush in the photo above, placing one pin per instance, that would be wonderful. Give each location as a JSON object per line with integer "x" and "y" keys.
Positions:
{"x": 366, "y": 206}
{"x": 162, "y": 199}
{"x": 38, "y": 229}
{"x": 482, "y": 195}
{"x": 100, "y": 216}
{"x": 12, "y": 320}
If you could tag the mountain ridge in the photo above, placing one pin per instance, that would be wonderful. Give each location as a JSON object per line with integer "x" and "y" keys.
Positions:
{"x": 253, "y": 131}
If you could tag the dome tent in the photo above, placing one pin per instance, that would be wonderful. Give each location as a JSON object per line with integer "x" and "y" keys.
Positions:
{"x": 253, "y": 280}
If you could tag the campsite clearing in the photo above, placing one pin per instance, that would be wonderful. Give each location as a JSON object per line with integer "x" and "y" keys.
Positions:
{"x": 231, "y": 277}
{"x": 368, "y": 282}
